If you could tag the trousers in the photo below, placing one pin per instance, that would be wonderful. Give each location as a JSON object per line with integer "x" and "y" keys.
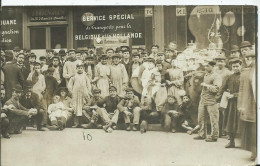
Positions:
{"x": 107, "y": 117}
{"x": 136, "y": 116}
{"x": 213, "y": 112}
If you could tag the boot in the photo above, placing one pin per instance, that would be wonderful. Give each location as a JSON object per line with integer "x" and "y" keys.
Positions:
{"x": 60, "y": 125}
{"x": 231, "y": 144}
{"x": 107, "y": 126}
{"x": 63, "y": 122}
{"x": 114, "y": 126}
{"x": 135, "y": 127}
{"x": 6, "y": 135}
{"x": 54, "y": 125}
{"x": 143, "y": 126}
{"x": 128, "y": 127}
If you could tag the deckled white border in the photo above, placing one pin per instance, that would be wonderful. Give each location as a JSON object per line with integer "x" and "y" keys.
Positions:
{"x": 147, "y": 2}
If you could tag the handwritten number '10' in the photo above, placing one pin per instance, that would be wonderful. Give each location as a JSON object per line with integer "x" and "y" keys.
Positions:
{"x": 89, "y": 137}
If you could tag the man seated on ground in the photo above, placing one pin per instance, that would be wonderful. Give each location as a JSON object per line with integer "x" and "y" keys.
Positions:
{"x": 148, "y": 112}
{"x": 58, "y": 114}
{"x": 67, "y": 101}
{"x": 31, "y": 100}
{"x": 131, "y": 108}
{"x": 4, "y": 119}
{"x": 18, "y": 115}
{"x": 170, "y": 114}
{"x": 109, "y": 114}
{"x": 90, "y": 114}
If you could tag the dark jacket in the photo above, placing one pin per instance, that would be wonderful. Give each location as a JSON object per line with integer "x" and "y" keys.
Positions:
{"x": 31, "y": 102}
{"x": 111, "y": 103}
{"x": 19, "y": 110}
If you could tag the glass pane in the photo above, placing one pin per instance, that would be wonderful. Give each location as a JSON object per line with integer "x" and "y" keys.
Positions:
{"x": 38, "y": 38}
{"x": 58, "y": 37}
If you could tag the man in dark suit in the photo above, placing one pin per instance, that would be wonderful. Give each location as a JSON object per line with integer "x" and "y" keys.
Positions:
{"x": 31, "y": 100}
{"x": 25, "y": 68}
{"x": 12, "y": 74}
{"x": 4, "y": 119}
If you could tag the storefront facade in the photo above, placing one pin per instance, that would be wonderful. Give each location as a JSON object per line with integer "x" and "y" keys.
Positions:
{"x": 40, "y": 28}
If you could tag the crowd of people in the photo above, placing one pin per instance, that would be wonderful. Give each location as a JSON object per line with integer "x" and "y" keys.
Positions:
{"x": 183, "y": 91}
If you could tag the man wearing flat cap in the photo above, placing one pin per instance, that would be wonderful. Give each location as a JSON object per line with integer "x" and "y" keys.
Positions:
{"x": 18, "y": 114}
{"x": 208, "y": 104}
{"x": 92, "y": 52}
{"x": 12, "y": 74}
{"x": 90, "y": 114}
{"x": 109, "y": 114}
{"x": 130, "y": 106}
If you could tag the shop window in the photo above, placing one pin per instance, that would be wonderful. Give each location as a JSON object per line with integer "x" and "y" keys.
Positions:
{"x": 38, "y": 38}
{"x": 58, "y": 37}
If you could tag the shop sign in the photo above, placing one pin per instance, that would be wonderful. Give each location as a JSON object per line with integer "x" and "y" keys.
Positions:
{"x": 113, "y": 22}
{"x": 47, "y": 14}
{"x": 11, "y": 28}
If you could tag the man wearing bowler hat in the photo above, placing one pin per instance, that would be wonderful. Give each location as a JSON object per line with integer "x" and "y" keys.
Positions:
{"x": 31, "y": 100}
{"x": 245, "y": 47}
{"x": 18, "y": 114}
{"x": 16, "y": 51}
{"x": 234, "y": 52}
{"x": 62, "y": 55}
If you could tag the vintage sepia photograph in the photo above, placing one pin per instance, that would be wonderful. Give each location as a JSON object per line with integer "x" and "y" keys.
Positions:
{"x": 121, "y": 85}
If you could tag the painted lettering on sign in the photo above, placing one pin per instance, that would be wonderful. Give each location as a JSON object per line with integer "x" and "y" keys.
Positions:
{"x": 180, "y": 11}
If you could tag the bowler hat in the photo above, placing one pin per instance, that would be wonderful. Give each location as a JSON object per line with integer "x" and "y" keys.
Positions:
{"x": 62, "y": 52}
{"x": 16, "y": 48}
{"x": 28, "y": 84}
{"x": 234, "y": 48}
{"x": 17, "y": 88}
{"x": 212, "y": 63}
{"x": 245, "y": 44}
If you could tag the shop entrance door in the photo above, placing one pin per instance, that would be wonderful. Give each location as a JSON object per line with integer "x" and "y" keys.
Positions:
{"x": 51, "y": 37}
